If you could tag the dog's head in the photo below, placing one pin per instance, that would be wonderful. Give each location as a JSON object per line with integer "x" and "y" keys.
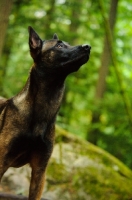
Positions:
{"x": 57, "y": 55}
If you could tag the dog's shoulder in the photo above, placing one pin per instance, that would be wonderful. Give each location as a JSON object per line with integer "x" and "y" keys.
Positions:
{"x": 3, "y": 103}
{"x": 2, "y": 98}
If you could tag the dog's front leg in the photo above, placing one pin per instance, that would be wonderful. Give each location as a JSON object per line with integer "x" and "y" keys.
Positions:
{"x": 2, "y": 171}
{"x": 4, "y": 164}
{"x": 37, "y": 183}
{"x": 38, "y": 166}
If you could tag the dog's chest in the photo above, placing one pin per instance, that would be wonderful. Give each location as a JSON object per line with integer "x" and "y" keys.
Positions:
{"x": 44, "y": 116}
{"x": 36, "y": 115}
{"x": 23, "y": 147}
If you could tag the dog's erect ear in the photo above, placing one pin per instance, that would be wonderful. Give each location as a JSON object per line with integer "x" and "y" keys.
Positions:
{"x": 34, "y": 39}
{"x": 35, "y": 43}
{"x": 55, "y": 36}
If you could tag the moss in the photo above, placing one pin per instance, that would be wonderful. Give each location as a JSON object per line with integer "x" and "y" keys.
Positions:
{"x": 83, "y": 171}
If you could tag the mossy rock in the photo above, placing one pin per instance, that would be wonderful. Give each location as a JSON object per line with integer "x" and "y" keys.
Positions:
{"x": 79, "y": 170}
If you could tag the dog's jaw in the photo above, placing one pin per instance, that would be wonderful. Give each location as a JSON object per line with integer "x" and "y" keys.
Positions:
{"x": 83, "y": 57}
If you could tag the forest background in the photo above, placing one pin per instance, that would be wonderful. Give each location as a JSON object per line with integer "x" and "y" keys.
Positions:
{"x": 97, "y": 101}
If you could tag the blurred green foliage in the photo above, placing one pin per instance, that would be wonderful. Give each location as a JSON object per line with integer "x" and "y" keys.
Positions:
{"x": 76, "y": 22}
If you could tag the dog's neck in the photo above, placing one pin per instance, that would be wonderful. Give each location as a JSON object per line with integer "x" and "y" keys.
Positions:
{"x": 58, "y": 74}
{"x": 48, "y": 86}
{"x": 41, "y": 93}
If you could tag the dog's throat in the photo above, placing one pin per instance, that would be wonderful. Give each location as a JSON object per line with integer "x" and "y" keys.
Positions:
{"x": 73, "y": 60}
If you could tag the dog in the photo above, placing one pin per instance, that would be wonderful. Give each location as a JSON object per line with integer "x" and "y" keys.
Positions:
{"x": 27, "y": 120}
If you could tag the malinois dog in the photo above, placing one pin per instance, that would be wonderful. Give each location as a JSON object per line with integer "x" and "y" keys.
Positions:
{"x": 27, "y": 120}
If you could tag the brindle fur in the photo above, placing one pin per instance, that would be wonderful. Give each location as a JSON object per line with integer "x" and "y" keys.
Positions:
{"x": 27, "y": 120}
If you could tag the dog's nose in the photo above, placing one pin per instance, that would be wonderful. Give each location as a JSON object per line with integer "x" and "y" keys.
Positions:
{"x": 86, "y": 47}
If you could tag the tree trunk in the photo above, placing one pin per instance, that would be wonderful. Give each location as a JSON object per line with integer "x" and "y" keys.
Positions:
{"x": 105, "y": 58}
{"x": 5, "y": 9}
{"x": 49, "y": 18}
{"x": 93, "y": 135}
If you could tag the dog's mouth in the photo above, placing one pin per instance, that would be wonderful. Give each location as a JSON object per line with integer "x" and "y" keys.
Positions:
{"x": 84, "y": 57}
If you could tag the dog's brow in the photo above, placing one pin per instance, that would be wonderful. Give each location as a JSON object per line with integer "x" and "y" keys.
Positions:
{"x": 48, "y": 44}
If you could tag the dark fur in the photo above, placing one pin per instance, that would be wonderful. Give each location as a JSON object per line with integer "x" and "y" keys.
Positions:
{"x": 27, "y": 121}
